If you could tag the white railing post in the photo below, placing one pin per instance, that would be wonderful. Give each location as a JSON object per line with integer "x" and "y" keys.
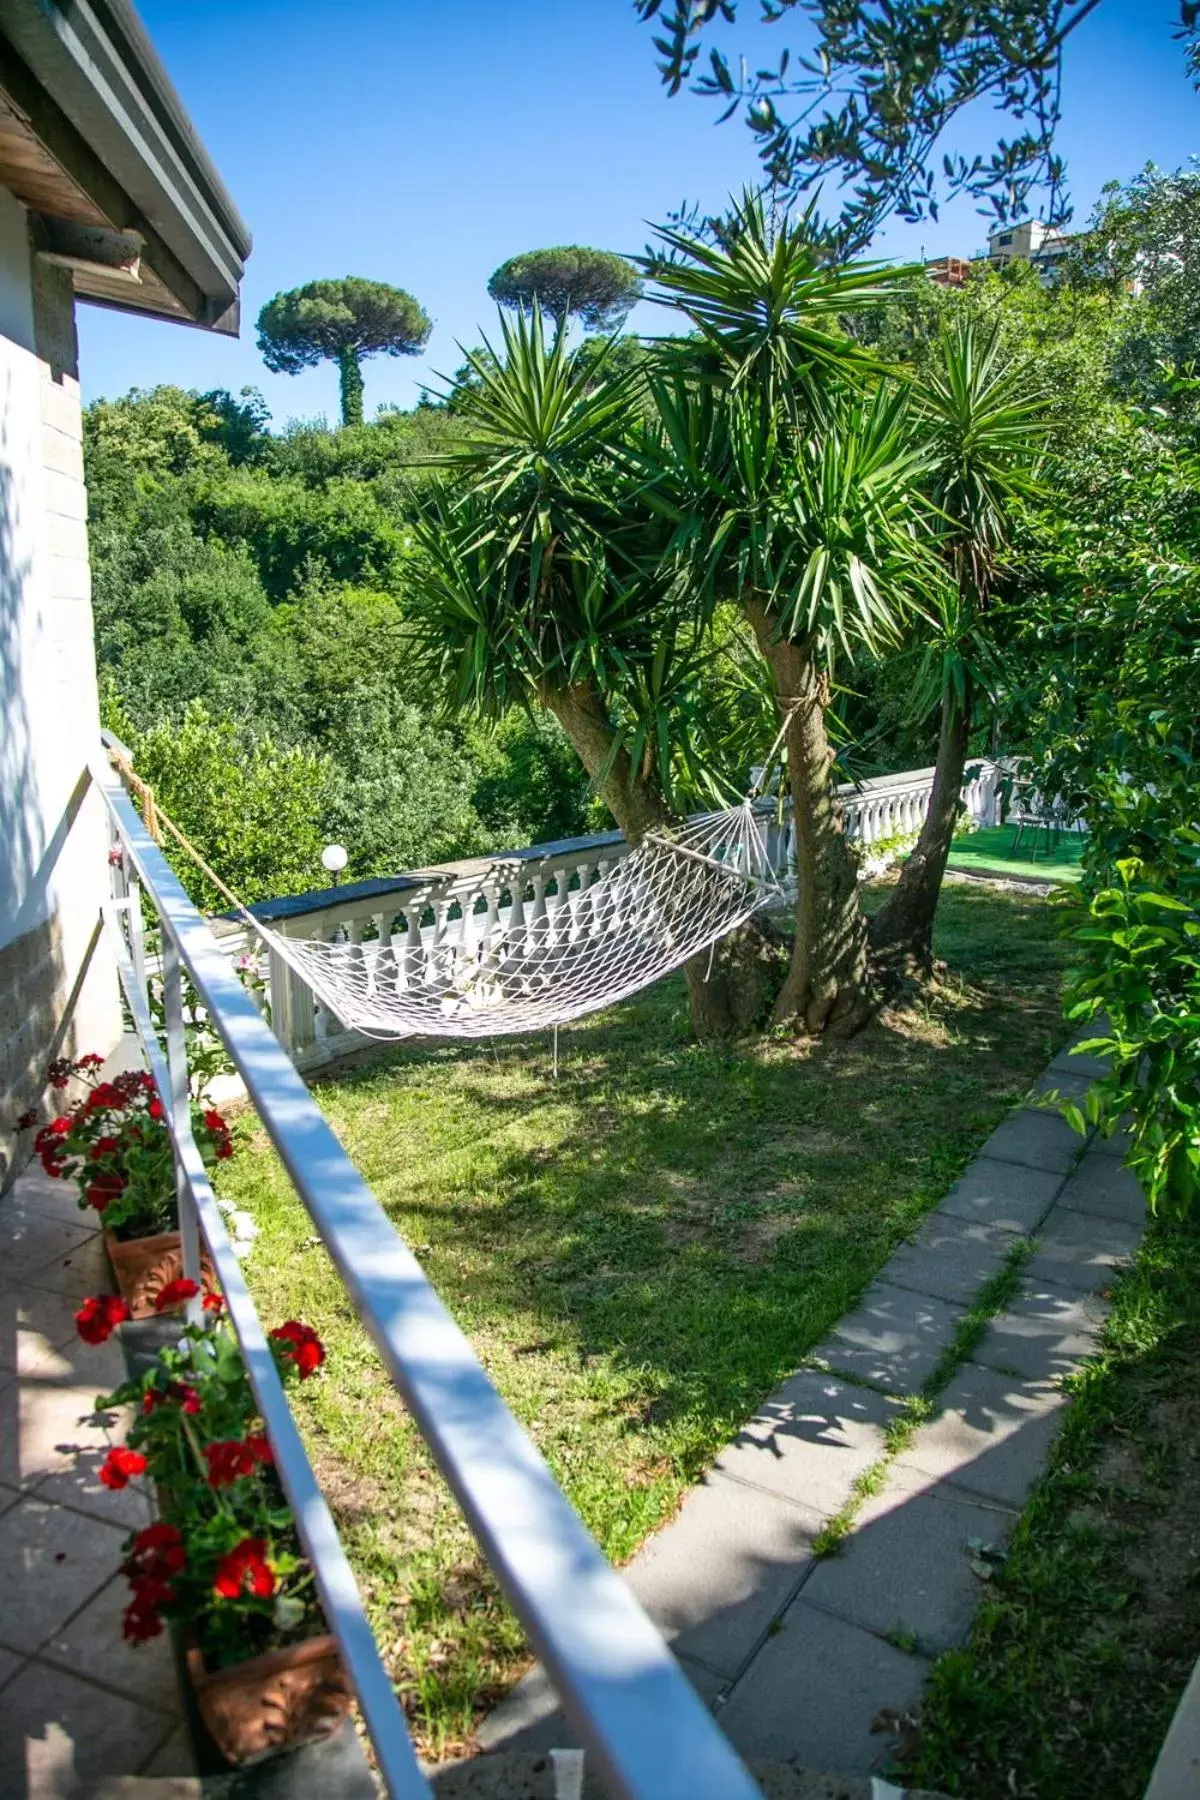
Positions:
{"x": 179, "y": 1100}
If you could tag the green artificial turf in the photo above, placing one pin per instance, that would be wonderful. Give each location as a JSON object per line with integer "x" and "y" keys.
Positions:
{"x": 991, "y": 850}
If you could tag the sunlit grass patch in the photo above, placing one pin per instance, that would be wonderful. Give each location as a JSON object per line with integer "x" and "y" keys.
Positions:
{"x": 639, "y": 1250}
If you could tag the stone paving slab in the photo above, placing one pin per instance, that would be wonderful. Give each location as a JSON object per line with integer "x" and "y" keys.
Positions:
{"x": 530, "y": 1718}
{"x": 91, "y": 1643}
{"x": 1004, "y": 1194}
{"x": 1067, "y": 1084}
{"x": 54, "y": 1726}
{"x": 1035, "y": 1139}
{"x": 76, "y": 1702}
{"x": 1080, "y": 1250}
{"x": 39, "y": 1192}
{"x": 1102, "y": 1185}
{"x": 1043, "y": 1334}
{"x": 57, "y": 1553}
{"x": 991, "y": 1437}
{"x": 714, "y": 1578}
{"x": 893, "y": 1338}
{"x": 1119, "y": 1144}
{"x": 82, "y": 1270}
{"x": 906, "y": 1566}
{"x": 34, "y": 1325}
{"x": 949, "y": 1258}
{"x": 814, "y": 1689}
{"x": 43, "y": 1426}
{"x": 1066, "y": 1063}
{"x": 811, "y": 1441}
{"x": 33, "y": 1239}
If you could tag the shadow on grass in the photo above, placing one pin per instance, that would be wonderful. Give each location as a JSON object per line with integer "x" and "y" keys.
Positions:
{"x": 698, "y": 1215}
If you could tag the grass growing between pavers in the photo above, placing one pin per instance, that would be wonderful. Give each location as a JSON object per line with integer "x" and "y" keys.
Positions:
{"x": 640, "y": 1252}
{"x": 918, "y": 1409}
{"x": 1089, "y": 1632}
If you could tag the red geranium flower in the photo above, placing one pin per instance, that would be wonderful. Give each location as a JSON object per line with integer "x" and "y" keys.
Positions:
{"x": 212, "y": 1303}
{"x": 214, "y": 1121}
{"x": 141, "y": 1622}
{"x": 90, "y": 1061}
{"x": 99, "y": 1317}
{"x": 224, "y": 1148}
{"x": 120, "y": 1465}
{"x": 104, "y": 1189}
{"x": 175, "y": 1293}
{"x": 106, "y": 1096}
{"x": 246, "y": 1564}
{"x": 156, "y": 1553}
{"x": 229, "y": 1461}
{"x": 301, "y": 1345}
{"x": 155, "y": 1109}
{"x": 104, "y": 1146}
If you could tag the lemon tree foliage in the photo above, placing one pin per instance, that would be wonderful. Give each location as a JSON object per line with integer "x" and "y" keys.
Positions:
{"x": 861, "y": 106}
{"x": 1108, "y": 634}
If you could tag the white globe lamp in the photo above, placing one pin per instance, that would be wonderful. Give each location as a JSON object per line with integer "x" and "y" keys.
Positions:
{"x": 334, "y": 858}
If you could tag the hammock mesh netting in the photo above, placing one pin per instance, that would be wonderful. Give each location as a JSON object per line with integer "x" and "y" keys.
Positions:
{"x": 520, "y": 967}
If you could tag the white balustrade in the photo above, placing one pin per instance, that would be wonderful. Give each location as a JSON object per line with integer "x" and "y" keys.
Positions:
{"x": 433, "y": 915}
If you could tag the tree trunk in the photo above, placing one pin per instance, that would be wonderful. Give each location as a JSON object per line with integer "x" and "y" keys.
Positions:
{"x": 902, "y": 929}
{"x": 827, "y": 985}
{"x": 729, "y": 986}
{"x": 352, "y": 386}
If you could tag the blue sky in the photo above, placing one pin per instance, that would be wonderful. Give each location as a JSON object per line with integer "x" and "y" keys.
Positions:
{"x": 422, "y": 142}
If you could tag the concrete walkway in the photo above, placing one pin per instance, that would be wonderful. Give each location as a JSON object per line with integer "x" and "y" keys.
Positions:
{"x": 822, "y": 1660}
{"x": 76, "y": 1701}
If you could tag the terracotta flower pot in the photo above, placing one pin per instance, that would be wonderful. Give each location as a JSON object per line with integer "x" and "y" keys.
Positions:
{"x": 143, "y": 1267}
{"x": 273, "y": 1702}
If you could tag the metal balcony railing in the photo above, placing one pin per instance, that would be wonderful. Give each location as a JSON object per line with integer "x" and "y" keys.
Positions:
{"x": 643, "y": 1727}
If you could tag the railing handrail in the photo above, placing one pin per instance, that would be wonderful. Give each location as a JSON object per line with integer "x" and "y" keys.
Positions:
{"x": 641, "y": 1721}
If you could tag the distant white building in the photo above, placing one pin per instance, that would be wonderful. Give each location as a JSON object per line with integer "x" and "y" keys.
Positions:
{"x": 106, "y": 196}
{"x": 1031, "y": 241}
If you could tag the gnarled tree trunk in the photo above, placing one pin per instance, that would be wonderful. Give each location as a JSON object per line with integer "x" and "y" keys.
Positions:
{"x": 827, "y": 987}
{"x": 902, "y": 929}
{"x": 729, "y": 986}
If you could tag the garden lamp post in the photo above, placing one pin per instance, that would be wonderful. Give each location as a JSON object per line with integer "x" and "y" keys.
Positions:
{"x": 334, "y": 858}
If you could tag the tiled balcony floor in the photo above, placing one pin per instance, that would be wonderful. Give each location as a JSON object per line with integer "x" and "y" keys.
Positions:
{"x": 76, "y": 1702}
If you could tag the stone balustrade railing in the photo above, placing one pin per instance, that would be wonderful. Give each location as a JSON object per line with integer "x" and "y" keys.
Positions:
{"x": 418, "y": 913}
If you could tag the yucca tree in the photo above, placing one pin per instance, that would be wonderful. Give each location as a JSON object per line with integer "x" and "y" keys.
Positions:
{"x": 532, "y": 583}
{"x": 539, "y": 579}
{"x": 983, "y": 419}
{"x": 793, "y": 484}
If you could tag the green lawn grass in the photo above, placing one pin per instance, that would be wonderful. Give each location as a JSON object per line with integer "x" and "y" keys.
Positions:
{"x": 639, "y": 1251}
{"x": 1090, "y": 1631}
{"x": 991, "y": 849}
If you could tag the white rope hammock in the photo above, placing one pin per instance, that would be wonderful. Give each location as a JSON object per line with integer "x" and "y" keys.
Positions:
{"x": 519, "y": 968}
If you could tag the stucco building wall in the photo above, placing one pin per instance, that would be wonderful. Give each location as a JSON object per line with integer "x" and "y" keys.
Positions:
{"x": 49, "y": 903}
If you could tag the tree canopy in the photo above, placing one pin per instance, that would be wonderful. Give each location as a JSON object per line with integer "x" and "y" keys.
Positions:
{"x": 341, "y": 321}
{"x": 862, "y": 107}
{"x": 597, "y": 287}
